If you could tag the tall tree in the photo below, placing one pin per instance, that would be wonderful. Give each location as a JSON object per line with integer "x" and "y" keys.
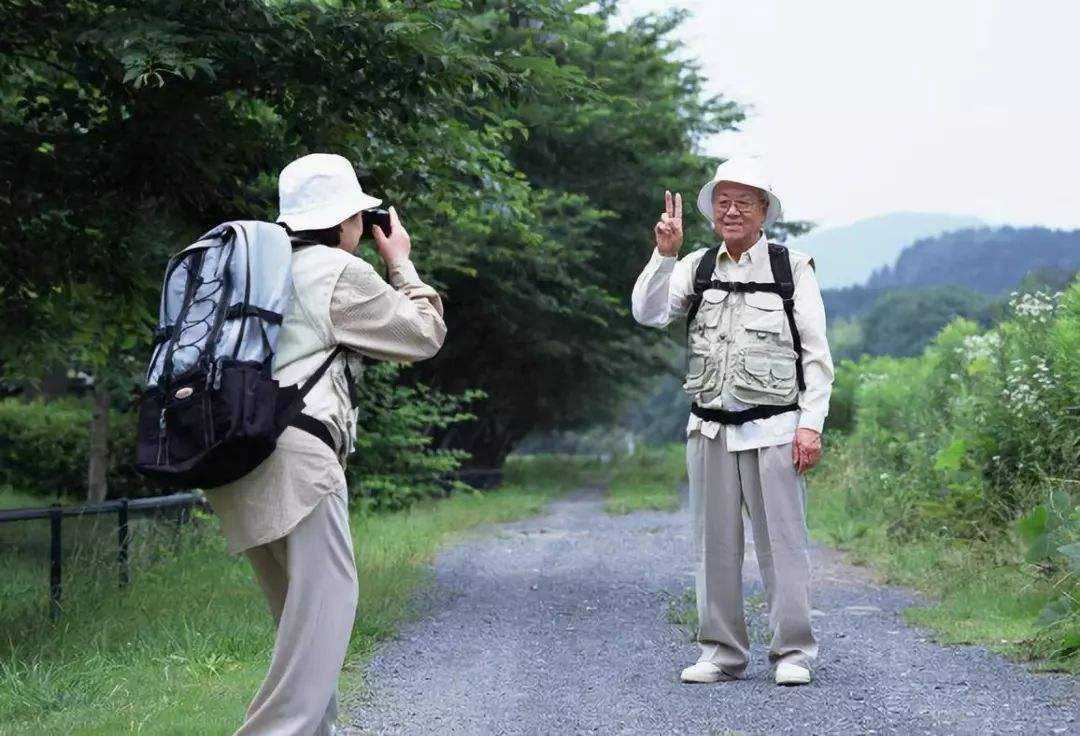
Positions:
{"x": 516, "y": 138}
{"x": 614, "y": 148}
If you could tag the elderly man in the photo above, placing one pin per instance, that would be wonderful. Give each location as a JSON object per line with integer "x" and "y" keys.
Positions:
{"x": 760, "y": 374}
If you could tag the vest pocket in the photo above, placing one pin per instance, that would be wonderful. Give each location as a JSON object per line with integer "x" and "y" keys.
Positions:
{"x": 765, "y": 375}
{"x": 710, "y": 310}
{"x": 702, "y": 375}
{"x": 762, "y": 322}
{"x": 764, "y": 325}
{"x": 702, "y": 379}
{"x": 697, "y": 375}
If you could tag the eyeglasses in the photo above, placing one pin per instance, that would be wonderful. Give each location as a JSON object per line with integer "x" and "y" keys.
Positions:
{"x": 742, "y": 206}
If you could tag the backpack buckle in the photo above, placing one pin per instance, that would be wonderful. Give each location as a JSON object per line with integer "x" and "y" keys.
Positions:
{"x": 161, "y": 334}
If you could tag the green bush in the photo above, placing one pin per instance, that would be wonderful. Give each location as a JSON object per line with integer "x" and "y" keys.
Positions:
{"x": 978, "y": 439}
{"x": 842, "y": 403}
{"x": 394, "y": 464}
{"x": 44, "y": 448}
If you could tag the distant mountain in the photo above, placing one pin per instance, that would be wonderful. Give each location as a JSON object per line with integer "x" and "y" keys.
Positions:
{"x": 847, "y": 255}
{"x": 986, "y": 260}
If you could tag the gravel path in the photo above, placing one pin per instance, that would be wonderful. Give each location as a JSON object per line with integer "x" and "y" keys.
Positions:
{"x": 559, "y": 625}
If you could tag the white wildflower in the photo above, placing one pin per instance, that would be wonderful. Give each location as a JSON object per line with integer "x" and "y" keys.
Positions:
{"x": 980, "y": 347}
{"x": 1038, "y": 306}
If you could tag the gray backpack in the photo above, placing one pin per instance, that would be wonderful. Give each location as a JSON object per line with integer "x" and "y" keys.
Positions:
{"x": 211, "y": 411}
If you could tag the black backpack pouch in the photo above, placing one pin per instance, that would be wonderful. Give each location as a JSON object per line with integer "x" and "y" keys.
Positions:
{"x": 214, "y": 425}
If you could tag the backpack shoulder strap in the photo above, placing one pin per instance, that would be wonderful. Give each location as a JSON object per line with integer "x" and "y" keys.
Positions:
{"x": 780, "y": 262}
{"x": 702, "y": 279}
{"x": 310, "y": 382}
{"x": 705, "y": 268}
{"x": 294, "y": 416}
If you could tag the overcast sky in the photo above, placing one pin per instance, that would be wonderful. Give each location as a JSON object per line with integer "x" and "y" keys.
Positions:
{"x": 863, "y": 108}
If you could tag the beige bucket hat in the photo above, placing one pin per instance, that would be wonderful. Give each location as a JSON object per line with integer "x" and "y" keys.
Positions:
{"x": 318, "y": 191}
{"x": 740, "y": 171}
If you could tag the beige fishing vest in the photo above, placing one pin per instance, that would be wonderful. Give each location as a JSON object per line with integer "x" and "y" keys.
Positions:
{"x": 740, "y": 345}
{"x": 307, "y": 339}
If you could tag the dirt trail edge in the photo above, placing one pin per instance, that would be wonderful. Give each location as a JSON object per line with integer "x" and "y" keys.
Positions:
{"x": 559, "y": 625}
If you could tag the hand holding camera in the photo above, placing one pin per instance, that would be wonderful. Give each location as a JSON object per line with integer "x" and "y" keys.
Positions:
{"x": 391, "y": 238}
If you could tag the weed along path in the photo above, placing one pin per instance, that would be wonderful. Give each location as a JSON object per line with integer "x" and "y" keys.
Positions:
{"x": 569, "y": 624}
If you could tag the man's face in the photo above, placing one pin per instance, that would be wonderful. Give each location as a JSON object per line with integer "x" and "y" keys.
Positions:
{"x": 738, "y": 212}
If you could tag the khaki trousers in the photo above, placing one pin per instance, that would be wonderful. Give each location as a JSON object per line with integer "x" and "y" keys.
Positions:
{"x": 763, "y": 481}
{"x": 309, "y": 578}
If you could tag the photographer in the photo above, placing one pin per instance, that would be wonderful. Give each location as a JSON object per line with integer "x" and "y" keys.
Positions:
{"x": 289, "y": 516}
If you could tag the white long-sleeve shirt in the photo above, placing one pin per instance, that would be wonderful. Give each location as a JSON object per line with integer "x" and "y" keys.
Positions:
{"x": 662, "y": 294}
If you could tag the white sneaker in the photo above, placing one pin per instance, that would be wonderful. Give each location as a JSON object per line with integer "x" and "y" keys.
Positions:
{"x": 705, "y": 672}
{"x": 791, "y": 674}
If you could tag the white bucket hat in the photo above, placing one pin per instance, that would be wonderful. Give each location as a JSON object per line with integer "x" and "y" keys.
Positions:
{"x": 740, "y": 171}
{"x": 318, "y": 191}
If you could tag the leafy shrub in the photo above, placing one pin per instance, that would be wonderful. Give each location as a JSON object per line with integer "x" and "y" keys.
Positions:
{"x": 842, "y": 403}
{"x": 978, "y": 438}
{"x": 394, "y": 465}
{"x": 1051, "y": 536}
{"x": 44, "y": 448}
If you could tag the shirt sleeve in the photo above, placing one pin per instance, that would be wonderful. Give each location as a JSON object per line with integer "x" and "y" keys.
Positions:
{"x": 399, "y": 321}
{"x": 662, "y": 290}
{"x": 816, "y": 359}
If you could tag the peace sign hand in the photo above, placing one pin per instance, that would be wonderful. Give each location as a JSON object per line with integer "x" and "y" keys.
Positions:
{"x": 668, "y": 231}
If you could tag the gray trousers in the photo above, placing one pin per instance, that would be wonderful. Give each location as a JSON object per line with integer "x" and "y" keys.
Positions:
{"x": 765, "y": 482}
{"x": 309, "y": 578}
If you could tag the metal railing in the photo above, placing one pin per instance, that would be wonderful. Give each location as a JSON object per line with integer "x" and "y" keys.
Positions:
{"x": 124, "y": 508}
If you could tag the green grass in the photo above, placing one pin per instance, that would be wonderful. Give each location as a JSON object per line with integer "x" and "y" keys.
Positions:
{"x": 981, "y": 592}
{"x": 183, "y": 649}
{"x": 11, "y": 498}
{"x": 648, "y": 480}
{"x": 682, "y": 613}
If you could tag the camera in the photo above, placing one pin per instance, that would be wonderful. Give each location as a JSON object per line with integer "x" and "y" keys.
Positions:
{"x": 372, "y": 217}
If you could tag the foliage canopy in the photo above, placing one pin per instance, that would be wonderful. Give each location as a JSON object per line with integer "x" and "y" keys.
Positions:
{"x": 525, "y": 143}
